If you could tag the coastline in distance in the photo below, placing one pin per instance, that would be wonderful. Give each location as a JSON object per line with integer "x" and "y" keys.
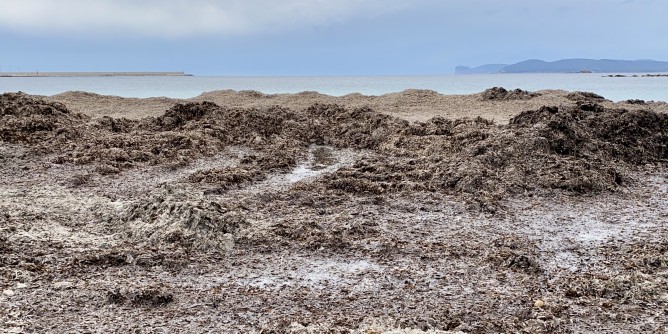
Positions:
{"x": 93, "y": 74}
{"x": 569, "y": 66}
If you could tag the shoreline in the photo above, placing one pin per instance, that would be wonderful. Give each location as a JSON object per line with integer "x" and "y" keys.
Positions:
{"x": 660, "y": 75}
{"x": 91, "y": 74}
{"x": 188, "y": 87}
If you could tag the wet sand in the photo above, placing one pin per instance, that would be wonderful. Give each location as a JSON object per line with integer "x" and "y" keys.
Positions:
{"x": 413, "y": 212}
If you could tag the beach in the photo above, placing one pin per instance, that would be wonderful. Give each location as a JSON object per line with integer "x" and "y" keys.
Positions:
{"x": 408, "y": 212}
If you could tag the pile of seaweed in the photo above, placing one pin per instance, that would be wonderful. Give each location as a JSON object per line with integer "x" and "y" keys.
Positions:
{"x": 27, "y": 119}
{"x": 186, "y": 220}
{"x": 502, "y": 94}
{"x": 585, "y": 97}
{"x": 181, "y": 135}
{"x": 580, "y": 149}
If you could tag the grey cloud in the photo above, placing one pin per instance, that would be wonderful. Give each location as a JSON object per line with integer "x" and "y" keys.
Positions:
{"x": 182, "y": 18}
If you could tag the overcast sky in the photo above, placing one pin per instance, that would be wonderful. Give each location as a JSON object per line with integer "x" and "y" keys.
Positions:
{"x": 321, "y": 37}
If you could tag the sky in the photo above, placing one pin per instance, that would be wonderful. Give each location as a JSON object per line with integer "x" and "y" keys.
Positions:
{"x": 321, "y": 37}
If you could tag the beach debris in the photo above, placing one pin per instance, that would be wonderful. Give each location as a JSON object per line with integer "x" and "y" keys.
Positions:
{"x": 168, "y": 218}
{"x": 636, "y": 101}
{"x": 585, "y": 97}
{"x": 502, "y": 94}
{"x": 148, "y": 297}
{"x": 30, "y": 120}
{"x": 63, "y": 285}
{"x": 579, "y": 149}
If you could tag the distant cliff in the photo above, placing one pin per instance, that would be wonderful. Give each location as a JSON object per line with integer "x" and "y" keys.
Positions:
{"x": 484, "y": 69}
{"x": 570, "y": 66}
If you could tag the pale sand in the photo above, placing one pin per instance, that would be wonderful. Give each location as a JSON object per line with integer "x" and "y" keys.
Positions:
{"x": 412, "y": 104}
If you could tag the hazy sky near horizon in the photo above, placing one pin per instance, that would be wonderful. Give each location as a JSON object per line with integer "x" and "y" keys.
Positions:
{"x": 321, "y": 37}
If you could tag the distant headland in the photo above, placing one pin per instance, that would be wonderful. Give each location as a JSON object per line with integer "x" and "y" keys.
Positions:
{"x": 569, "y": 66}
{"x": 94, "y": 74}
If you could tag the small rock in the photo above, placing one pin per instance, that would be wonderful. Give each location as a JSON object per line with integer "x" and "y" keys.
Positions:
{"x": 21, "y": 285}
{"x": 8, "y": 292}
{"x": 538, "y": 303}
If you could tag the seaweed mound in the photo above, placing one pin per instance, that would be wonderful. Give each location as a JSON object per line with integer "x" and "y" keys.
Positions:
{"x": 585, "y": 97}
{"x": 502, "y": 94}
{"x": 29, "y": 119}
{"x": 593, "y": 132}
{"x": 168, "y": 218}
{"x": 581, "y": 149}
{"x": 182, "y": 113}
{"x": 636, "y": 101}
{"x": 361, "y": 128}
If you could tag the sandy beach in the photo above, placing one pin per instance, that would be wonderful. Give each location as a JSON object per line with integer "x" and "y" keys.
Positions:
{"x": 410, "y": 212}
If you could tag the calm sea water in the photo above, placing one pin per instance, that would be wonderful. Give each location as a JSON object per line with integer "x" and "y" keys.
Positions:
{"x": 184, "y": 87}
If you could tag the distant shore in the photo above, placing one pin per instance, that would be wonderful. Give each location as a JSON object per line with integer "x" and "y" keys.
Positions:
{"x": 94, "y": 74}
{"x": 635, "y": 76}
{"x": 570, "y": 66}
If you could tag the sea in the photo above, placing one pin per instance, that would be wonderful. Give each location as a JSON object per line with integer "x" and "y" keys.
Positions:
{"x": 613, "y": 88}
